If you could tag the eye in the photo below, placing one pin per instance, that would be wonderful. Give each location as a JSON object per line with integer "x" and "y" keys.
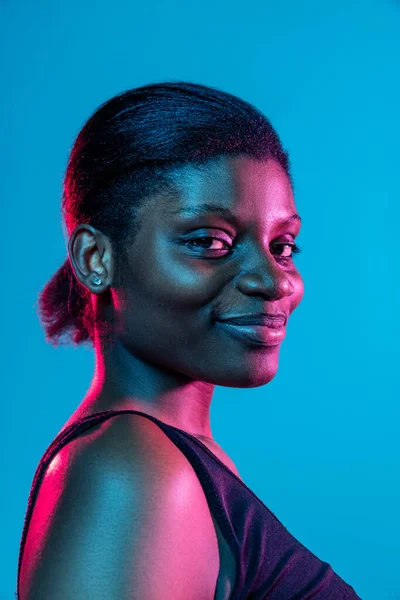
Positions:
{"x": 289, "y": 249}
{"x": 205, "y": 242}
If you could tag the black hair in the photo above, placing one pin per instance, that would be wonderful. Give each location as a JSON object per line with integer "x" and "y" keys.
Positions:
{"x": 124, "y": 153}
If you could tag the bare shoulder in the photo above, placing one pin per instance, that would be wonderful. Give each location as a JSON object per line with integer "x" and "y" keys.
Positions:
{"x": 125, "y": 510}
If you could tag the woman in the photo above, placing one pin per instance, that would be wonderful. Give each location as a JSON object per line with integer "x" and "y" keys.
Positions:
{"x": 181, "y": 223}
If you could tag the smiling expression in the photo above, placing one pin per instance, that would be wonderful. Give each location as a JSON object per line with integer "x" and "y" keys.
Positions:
{"x": 220, "y": 246}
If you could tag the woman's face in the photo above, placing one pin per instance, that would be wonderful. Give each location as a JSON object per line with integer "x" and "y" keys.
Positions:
{"x": 176, "y": 284}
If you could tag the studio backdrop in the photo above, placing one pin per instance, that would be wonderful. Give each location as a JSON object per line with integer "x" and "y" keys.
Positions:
{"x": 319, "y": 444}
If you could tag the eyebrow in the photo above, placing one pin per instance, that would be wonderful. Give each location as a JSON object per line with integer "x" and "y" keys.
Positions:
{"x": 206, "y": 209}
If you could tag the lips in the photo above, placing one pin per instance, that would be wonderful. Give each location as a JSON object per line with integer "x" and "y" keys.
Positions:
{"x": 272, "y": 321}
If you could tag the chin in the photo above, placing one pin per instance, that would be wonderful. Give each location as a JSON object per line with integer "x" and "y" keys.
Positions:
{"x": 251, "y": 381}
{"x": 257, "y": 371}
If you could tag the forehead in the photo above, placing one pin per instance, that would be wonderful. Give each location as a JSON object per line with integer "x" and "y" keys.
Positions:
{"x": 243, "y": 185}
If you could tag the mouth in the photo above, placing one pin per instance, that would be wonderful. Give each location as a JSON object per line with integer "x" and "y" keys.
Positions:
{"x": 272, "y": 321}
{"x": 260, "y": 335}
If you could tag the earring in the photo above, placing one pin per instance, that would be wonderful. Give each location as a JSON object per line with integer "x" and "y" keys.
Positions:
{"x": 97, "y": 281}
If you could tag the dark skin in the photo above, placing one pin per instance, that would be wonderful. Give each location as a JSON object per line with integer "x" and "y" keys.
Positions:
{"x": 166, "y": 352}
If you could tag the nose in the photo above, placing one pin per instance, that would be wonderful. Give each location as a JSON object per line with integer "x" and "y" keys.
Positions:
{"x": 266, "y": 278}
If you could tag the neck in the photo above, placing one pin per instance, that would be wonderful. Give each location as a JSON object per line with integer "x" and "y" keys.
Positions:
{"x": 123, "y": 381}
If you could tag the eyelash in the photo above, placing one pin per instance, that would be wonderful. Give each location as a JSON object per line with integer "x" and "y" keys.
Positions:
{"x": 295, "y": 248}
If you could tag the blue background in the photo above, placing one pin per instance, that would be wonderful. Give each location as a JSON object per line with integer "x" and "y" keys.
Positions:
{"x": 319, "y": 444}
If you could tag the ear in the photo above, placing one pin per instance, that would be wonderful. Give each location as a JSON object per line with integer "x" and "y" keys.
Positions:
{"x": 91, "y": 256}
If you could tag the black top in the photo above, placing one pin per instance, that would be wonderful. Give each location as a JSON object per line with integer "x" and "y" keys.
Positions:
{"x": 270, "y": 563}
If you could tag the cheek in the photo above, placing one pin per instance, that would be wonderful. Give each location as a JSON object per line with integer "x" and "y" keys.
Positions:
{"x": 298, "y": 292}
{"x": 188, "y": 283}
